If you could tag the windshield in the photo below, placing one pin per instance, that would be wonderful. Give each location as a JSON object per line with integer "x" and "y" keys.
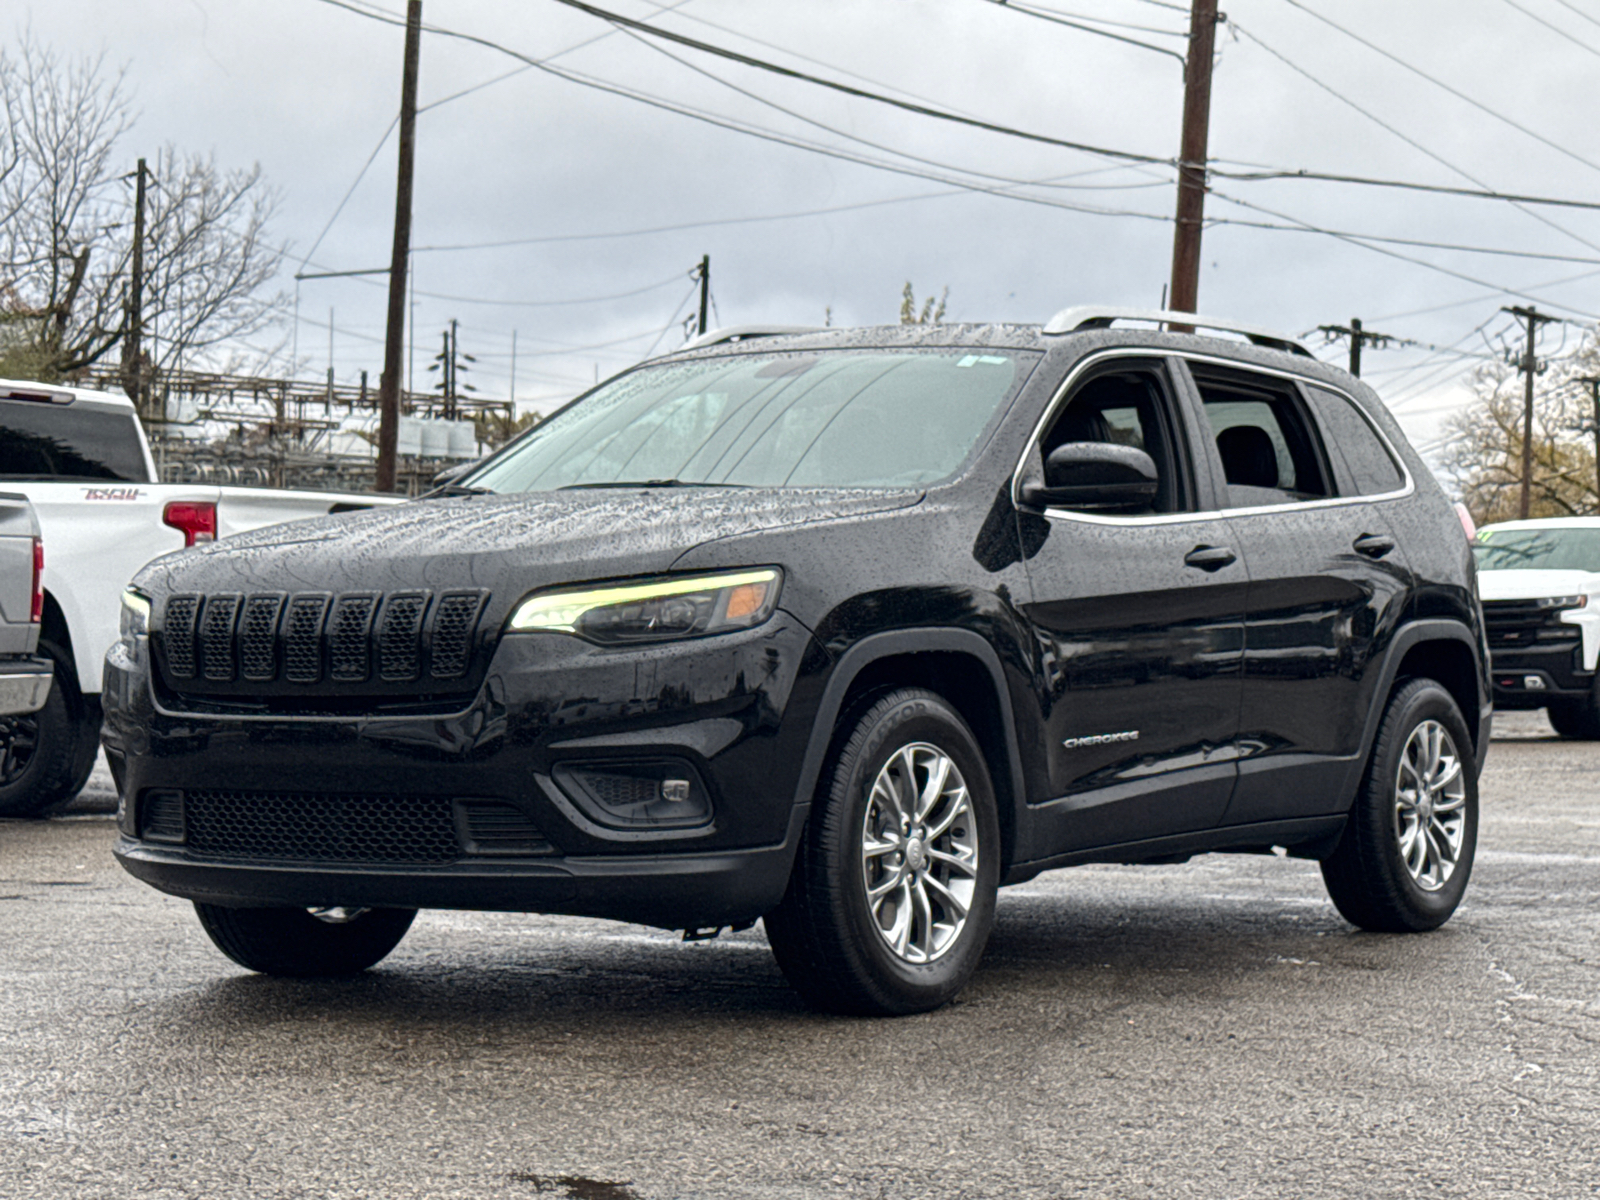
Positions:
{"x": 1538, "y": 549}
{"x": 839, "y": 418}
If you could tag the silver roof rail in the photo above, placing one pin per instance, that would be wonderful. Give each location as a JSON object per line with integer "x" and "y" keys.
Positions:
{"x": 1089, "y": 316}
{"x": 737, "y": 333}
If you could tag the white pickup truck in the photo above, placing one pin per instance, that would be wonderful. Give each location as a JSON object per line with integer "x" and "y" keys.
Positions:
{"x": 83, "y": 460}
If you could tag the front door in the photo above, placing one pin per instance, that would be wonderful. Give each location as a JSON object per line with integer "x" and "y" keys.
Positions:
{"x": 1138, "y": 617}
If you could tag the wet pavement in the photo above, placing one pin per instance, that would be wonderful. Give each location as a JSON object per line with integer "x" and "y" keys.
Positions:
{"x": 1209, "y": 1030}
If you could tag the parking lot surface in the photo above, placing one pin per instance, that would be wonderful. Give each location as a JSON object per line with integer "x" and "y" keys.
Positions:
{"x": 1209, "y": 1030}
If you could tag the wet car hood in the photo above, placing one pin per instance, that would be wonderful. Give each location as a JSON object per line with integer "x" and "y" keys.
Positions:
{"x": 507, "y": 544}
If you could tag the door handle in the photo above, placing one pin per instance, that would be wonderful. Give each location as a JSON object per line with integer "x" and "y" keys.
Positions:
{"x": 1210, "y": 558}
{"x": 1373, "y": 545}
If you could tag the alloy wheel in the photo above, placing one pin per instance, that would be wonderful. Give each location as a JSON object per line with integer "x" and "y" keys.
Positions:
{"x": 1430, "y": 805}
{"x": 19, "y": 738}
{"x": 919, "y": 852}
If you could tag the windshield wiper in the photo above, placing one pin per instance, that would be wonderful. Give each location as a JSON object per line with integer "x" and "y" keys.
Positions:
{"x": 647, "y": 483}
{"x": 457, "y": 489}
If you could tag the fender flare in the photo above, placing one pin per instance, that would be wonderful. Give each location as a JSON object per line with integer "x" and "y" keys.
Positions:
{"x": 897, "y": 642}
{"x": 1414, "y": 633}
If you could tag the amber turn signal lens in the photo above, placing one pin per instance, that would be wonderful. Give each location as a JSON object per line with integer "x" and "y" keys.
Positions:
{"x": 747, "y": 599}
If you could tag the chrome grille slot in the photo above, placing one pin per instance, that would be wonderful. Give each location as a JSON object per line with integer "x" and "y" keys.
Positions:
{"x": 216, "y": 636}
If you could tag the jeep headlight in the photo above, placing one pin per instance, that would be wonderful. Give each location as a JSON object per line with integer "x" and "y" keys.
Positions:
{"x": 135, "y": 621}
{"x": 653, "y": 610}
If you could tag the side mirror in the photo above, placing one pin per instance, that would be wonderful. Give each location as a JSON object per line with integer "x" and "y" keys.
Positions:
{"x": 1094, "y": 475}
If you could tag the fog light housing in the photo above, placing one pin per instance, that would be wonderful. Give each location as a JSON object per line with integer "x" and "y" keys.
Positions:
{"x": 657, "y": 793}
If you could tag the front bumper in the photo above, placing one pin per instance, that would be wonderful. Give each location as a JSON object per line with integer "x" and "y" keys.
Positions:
{"x": 735, "y": 709}
{"x": 24, "y": 685}
{"x": 1532, "y": 678}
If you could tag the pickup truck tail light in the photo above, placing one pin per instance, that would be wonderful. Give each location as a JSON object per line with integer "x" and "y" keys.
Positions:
{"x": 1468, "y": 525}
{"x": 38, "y": 582}
{"x": 195, "y": 519}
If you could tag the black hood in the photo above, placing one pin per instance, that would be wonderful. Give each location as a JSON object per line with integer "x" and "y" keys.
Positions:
{"x": 506, "y": 545}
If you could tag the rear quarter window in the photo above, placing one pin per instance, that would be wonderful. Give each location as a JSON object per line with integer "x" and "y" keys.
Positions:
{"x": 1362, "y": 461}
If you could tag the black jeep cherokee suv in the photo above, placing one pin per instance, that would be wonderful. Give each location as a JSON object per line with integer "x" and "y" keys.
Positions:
{"x": 841, "y": 630}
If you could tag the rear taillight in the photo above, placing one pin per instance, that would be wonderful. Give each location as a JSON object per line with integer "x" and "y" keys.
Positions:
{"x": 1467, "y": 523}
{"x": 195, "y": 519}
{"x": 38, "y": 581}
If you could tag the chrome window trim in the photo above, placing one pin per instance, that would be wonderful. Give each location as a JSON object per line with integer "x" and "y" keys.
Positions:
{"x": 1210, "y": 514}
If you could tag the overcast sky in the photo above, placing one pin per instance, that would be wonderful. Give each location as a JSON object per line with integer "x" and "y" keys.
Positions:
{"x": 627, "y": 197}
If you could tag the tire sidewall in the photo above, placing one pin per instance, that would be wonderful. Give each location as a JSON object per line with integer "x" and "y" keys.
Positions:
{"x": 46, "y": 780}
{"x": 919, "y": 718}
{"x": 1426, "y": 701}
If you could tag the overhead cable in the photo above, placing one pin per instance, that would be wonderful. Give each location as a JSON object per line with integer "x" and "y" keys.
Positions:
{"x": 1554, "y": 28}
{"x": 1047, "y": 15}
{"x": 1439, "y": 83}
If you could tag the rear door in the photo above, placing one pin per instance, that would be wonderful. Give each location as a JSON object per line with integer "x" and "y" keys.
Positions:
{"x": 1139, "y": 619}
{"x": 1305, "y": 475}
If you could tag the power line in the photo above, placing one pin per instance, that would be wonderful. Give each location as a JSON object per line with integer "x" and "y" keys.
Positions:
{"x": 1407, "y": 139}
{"x": 1045, "y": 14}
{"x": 1556, "y": 29}
{"x": 1058, "y": 12}
{"x": 850, "y": 90}
{"x": 1566, "y": 4}
{"x": 1439, "y": 83}
{"x": 1419, "y": 243}
{"x": 1355, "y": 240}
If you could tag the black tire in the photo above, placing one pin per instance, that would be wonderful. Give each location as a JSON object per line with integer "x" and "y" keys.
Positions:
{"x": 1367, "y": 875}
{"x": 46, "y": 756}
{"x": 1579, "y": 721}
{"x": 824, "y": 934}
{"x": 293, "y": 942}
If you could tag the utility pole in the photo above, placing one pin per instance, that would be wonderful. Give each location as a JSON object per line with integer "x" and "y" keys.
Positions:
{"x": 448, "y": 361}
{"x": 132, "y": 375}
{"x": 394, "y": 333}
{"x": 1357, "y": 335}
{"x": 1529, "y": 366}
{"x": 1192, "y": 156}
{"x": 1594, "y": 390}
{"x": 513, "y": 373}
{"x": 705, "y": 290}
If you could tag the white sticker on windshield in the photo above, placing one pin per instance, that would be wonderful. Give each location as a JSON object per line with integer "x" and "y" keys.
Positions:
{"x": 968, "y": 360}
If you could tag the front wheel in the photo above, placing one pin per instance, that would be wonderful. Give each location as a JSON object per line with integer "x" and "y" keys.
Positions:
{"x": 892, "y": 896}
{"x": 1576, "y": 721}
{"x": 305, "y": 942}
{"x": 46, "y": 756}
{"x": 1403, "y": 861}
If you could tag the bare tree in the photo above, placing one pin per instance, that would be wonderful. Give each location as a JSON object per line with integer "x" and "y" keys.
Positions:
{"x": 66, "y": 240}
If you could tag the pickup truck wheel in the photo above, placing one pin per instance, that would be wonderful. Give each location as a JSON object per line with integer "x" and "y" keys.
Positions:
{"x": 1577, "y": 722}
{"x": 892, "y": 895}
{"x": 305, "y": 943}
{"x": 41, "y": 752}
{"x": 1403, "y": 861}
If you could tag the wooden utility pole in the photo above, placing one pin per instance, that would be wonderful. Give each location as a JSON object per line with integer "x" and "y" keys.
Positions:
{"x": 1529, "y": 366}
{"x": 705, "y": 291}
{"x": 1192, "y": 157}
{"x": 132, "y": 339}
{"x": 1358, "y": 336}
{"x": 394, "y": 332}
{"x": 1594, "y": 390}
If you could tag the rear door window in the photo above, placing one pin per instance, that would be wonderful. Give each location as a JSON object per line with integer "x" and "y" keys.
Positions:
{"x": 56, "y": 441}
{"x": 1363, "y": 462}
{"x": 1268, "y": 447}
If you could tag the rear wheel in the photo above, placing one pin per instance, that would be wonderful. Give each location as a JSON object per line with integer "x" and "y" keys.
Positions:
{"x": 892, "y": 896}
{"x": 46, "y": 756}
{"x": 305, "y": 943}
{"x": 1403, "y": 861}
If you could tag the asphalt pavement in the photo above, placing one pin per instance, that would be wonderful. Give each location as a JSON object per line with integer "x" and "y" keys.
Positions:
{"x": 1210, "y": 1030}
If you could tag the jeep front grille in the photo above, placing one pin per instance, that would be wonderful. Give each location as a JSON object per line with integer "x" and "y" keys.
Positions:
{"x": 206, "y": 643}
{"x": 319, "y": 827}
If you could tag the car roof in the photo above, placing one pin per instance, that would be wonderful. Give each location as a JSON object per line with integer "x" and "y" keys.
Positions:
{"x": 64, "y": 393}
